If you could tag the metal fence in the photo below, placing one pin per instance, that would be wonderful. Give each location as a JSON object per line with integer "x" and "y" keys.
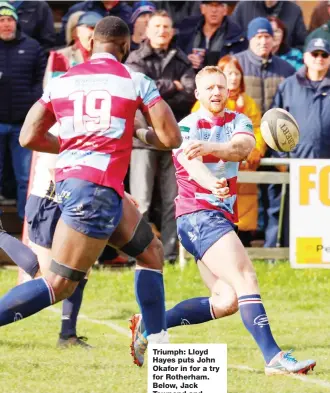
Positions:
{"x": 260, "y": 177}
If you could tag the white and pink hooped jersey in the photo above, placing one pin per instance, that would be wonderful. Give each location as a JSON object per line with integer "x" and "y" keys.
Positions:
{"x": 95, "y": 105}
{"x": 200, "y": 126}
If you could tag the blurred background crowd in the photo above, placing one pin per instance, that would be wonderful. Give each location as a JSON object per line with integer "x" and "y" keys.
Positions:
{"x": 270, "y": 55}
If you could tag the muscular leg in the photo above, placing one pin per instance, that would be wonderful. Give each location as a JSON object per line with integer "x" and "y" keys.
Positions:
{"x": 235, "y": 267}
{"x": 149, "y": 286}
{"x": 71, "y": 305}
{"x": 72, "y": 249}
{"x": 221, "y": 303}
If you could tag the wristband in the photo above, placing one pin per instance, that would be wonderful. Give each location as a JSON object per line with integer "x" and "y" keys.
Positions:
{"x": 141, "y": 134}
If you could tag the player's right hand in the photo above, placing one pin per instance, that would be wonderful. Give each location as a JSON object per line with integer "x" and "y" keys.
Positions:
{"x": 221, "y": 189}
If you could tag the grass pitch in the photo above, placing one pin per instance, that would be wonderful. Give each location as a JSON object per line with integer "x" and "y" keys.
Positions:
{"x": 297, "y": 303}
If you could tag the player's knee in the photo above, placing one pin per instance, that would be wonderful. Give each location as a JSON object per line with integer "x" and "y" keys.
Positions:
{"x": 153, "y": 256}
{"x": 224, "y": 305}
{"x": 62, "y": 287}
{"x": 63, "y": 280}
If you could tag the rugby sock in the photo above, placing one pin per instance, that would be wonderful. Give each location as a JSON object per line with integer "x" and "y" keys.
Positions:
{"x": 25, "y": 300}
{"x": 255, "y": 319}
{"x": 19, "y": 253}
{"x": 149, "y": 292}
{"x": 190, "y": 312}
{"x": 70, "y": 310}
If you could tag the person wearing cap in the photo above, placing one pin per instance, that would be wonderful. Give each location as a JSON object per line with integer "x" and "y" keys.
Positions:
{"x": 104, "y": 8}
{"x": 61, "y": 60}
{"x": 289, "y": 13}
{"x": 324, "y": 30}
{"x": 263, "y": 72}
{"x": 207, "y": 38}
{"x": 22, "y": 67}
{"x": 306, "y": 95}
{"x": 141, "y": 13}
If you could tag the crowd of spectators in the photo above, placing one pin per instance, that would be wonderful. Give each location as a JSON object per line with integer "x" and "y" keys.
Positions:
{"x": 270, "y": 57}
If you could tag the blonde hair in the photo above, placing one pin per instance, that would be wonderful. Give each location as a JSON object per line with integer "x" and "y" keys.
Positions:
{"x": 209, "y": 70}
{"x": 72, "y": 24}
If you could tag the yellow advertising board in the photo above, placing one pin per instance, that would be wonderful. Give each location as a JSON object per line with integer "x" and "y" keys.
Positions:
{"x": 310, "y": 213}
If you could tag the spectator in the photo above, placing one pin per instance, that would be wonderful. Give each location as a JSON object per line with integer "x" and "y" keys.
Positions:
{"x": 207, "y": 38}
{"x": 71, "y": 28}
{"x": 287, "y": 11}
{"x": 321, "y": 15}
{"x": 263, "y": 72}
{"x": 174, "y": 76}
{"x": 324, "y": 30}
{"x": 36, "y": 20}
{"x": 141, "y": 14}
{"x": 281, "y": 48}
{"x": 61, "y": 60}
{"x": 104, "y": 8}
{"x": 306, "y": 96}
{"x": 239, "y": 101}
{"x": 22, "y": 67}
{"x": 180, "y": 10}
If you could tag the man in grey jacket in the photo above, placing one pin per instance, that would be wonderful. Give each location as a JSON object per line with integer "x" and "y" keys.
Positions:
{"x": 174, "y": 77}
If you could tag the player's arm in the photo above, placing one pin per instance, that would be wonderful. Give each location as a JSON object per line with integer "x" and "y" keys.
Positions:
{"x": 146, "y": 134}
{"x": 165, "y": 133}
{"x": 203, "y": 176}
{"x": 34, "y": 133}
{"x": 236, "y": 149}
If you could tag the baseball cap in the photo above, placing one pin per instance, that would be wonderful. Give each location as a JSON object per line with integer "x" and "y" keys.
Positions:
{"x": 318, "y": 44}
{"x": 142, "y": 7}
{"x": 89, "y": 18}
{"x": 8, "y": 10}
{"x": 259, "y": 25}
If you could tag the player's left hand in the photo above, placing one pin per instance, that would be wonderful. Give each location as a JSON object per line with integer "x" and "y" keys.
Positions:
{"x": 253, "y": 159}
{"x": 221, "y": 189}
{"x": 198, "y": 149}
{"x": 132, "y": 199}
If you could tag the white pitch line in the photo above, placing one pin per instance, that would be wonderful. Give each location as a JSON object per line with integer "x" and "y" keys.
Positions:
{"x": 124, "y": 332}
{"x": 111, "y": 325}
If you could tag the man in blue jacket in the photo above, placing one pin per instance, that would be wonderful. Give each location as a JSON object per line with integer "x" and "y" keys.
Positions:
{"x": 306, "y": 95}
{"x": 22, "y": 67}
{"x": 36, "y": 21}
{"x": 104, "y": 8}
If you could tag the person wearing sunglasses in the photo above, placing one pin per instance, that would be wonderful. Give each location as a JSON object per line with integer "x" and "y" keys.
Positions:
{"x": 306, "y": 95}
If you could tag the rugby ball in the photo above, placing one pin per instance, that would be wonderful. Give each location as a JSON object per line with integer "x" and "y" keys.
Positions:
{"x": 279, "y": 130}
